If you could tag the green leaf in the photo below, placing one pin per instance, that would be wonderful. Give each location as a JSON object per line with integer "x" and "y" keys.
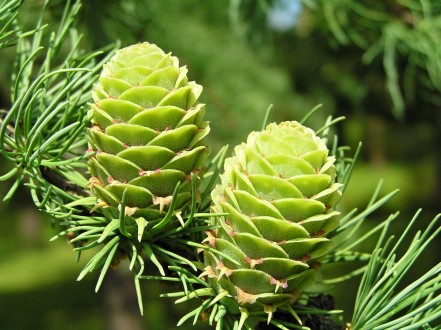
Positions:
{"x": 141, "y": 223}
{"x": 106, "y": 266}
{"x": 380, "y": 299}
{"x": 139, "y": 295}
{"x": 109, "y": 230}
{"x": 97, "y": 259}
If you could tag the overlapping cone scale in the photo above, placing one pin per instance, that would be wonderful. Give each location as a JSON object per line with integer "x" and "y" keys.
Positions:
{"x": 147, "y": 132}
{"x": 278, "y": 190}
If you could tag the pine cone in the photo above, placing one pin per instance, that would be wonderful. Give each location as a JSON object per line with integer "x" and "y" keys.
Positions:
{"x": 278, "y": 189}
{"x": 147, "y": 132}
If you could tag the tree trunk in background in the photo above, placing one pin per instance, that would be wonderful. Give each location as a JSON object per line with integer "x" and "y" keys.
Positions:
{"x": 377, "y": 135}
{"x": 31, "y": 230}
{"x": 120, "y": 303}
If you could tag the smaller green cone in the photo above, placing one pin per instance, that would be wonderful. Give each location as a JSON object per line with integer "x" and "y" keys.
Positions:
{"x": 278, "y": 190}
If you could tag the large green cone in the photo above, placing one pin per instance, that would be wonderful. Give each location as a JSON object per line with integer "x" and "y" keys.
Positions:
{"x": 147, "y": 132}
{"x": 278, "y": 189}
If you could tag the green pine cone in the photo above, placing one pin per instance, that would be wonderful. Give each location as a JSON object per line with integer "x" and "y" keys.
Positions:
{"x": 278, "y": 189}
{"x": 147, "y": 132}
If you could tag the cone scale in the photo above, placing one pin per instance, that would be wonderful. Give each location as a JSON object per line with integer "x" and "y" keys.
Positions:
{"x": 278, "y": 190}
{"x": 147, "y": 134}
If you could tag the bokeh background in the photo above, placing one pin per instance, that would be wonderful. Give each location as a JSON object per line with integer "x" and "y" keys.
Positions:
{"x": 377, "y": 65}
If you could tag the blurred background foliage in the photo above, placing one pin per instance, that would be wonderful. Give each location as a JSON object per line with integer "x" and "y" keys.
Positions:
{"x": 378, "y": 64}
